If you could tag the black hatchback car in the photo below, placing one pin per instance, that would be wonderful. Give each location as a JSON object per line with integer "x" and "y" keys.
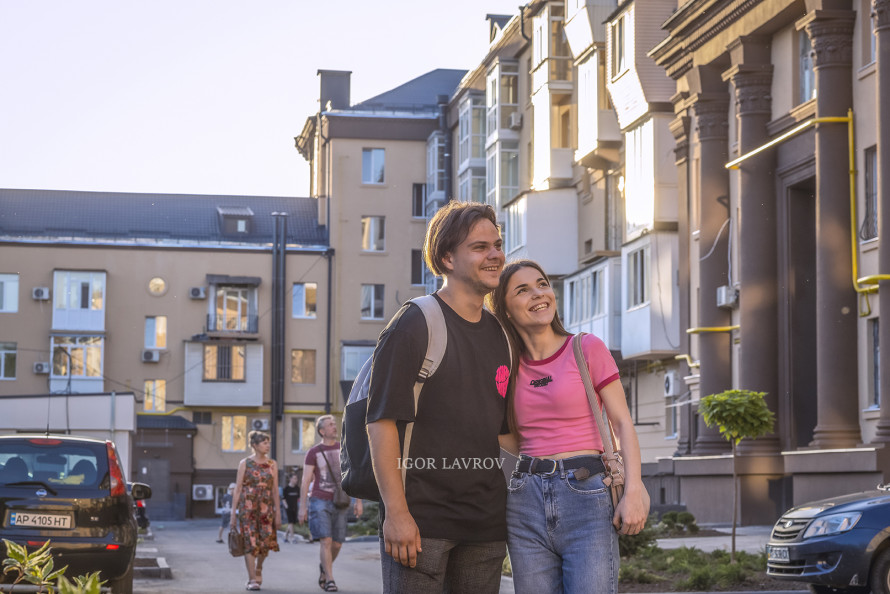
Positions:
{"x": 70, "y": 491}
{"x": 838, "y": 544}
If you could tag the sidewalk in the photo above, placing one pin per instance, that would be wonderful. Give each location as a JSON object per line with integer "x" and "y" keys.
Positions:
{"x": 751, "y": 539}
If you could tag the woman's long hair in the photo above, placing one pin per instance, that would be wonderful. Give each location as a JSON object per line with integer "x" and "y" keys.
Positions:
{"x": 497, "y": 303}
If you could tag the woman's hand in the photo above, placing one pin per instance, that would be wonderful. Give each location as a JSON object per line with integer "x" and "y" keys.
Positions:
{"x": 301, "y": 516}
{"x": 632, "y": 511}
{"x": 276, "y": 521}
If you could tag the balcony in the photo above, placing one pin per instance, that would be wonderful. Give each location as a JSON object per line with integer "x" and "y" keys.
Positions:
{"x": 650, "y": 326}
{"x": 200, "y": 391}
{"x": 584, "y": 23}
{"x": 544, "y": 235}
{"x": 592, "y": 302}
{"x": 242, "y": 327}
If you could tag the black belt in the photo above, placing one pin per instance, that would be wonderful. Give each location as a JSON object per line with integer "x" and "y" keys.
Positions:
{"x": 547, "y": 466}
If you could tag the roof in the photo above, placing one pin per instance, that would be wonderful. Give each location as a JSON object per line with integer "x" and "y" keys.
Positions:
{"x": 155, "y": 219}
{"x": 164, "y": 422}
{"x": 421, "y": 93}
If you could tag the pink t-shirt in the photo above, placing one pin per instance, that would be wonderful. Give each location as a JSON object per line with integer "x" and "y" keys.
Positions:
{"x": 552, "y": 411}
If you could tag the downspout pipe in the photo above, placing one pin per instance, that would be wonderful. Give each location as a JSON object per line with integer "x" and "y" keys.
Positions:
{"x": 329, "y": 254}
{"x": 443, "y": 128}
{"x": 522, "y": 22}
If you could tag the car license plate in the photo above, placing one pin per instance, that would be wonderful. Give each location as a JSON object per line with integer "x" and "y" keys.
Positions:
{"x": 52, "y": 521}
{"x": 777, "y": 553}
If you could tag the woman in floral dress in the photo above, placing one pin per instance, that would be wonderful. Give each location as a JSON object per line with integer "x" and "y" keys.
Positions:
{"x": 257, "y": 508}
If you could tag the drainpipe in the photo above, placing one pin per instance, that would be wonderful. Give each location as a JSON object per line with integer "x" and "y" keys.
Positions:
{"x": 443, "y": 128}
{"x": 329, "y": 254}
{"x": 522, "y": 22}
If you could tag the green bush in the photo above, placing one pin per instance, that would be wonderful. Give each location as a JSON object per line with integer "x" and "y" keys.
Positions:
{"x": 632, "y": 574}
{"x": 670, "y": 520}
{"x": 700, "y": 579}
{"x": 629, "y": 545}
{"x": 368, "y": 522}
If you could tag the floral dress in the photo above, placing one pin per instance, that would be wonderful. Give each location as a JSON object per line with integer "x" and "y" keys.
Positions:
{"x": 256, "y": 509}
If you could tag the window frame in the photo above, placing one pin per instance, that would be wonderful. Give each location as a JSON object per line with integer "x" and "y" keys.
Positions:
{"x": 155, "y": 393}
{"x": 352, "y": 357}
{"x": 376, "y": 288}
{"x": 156, "y": 332}
{"x": 217, "y": 365}
{"x": 806, "y": 73}
{"x": 299, "y": 303}
{"x": 637, "y": 277}
{"x": 89, "y": 344}
{"x": 372, "y": 227}
{"x": 234, "y": 438}
{"x": 8, "y": 358}
{"x": 868, "y": 230}
{"x": 299, "y": 434}
{"x": 9, "y": 293}
{"x": 618, "y": 38}
{"x": 305, "y": 367}
{"x": 370, "y": 166}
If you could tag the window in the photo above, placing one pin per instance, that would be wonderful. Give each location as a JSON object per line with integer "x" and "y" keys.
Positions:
{"x": 597, "y": 293}
{"x": 202, "y": 417}
{"x": 304, "y": 300}
{"x": 373, "y": 234}
{"x": 80, "y": 290}
{"x": 77, "y": 356}
{"x": 435, "y": 163}
{"x": 156, "y": 332}
{"x": 372, "y": 166}
{"x": 637, "y": 277}
{"x": 514, "y": 234}
{"x": 7, "y": 360}
{"x": 588, "y": 246}
{"x": 417, "y": 267}
{"x": 352, "y": 357}
{"x": 234, "y": 433}
{"x": 9, "y": 293}
{"x": 875, "y": 362}
{"x": 509, "y": 173}
{"x": 491, "y": 173}
{"x": 418, "y": 201}
{"x": 471, "y": 129}
{"x": 372, "y": 302}
{"x": 671, "y": 418}
{"x": 302, "y": 434}
{"x": 235, "y": 309}
{"x": 155, "y": 395}
{"x": 619, "y": 54}
{"x": 806, "y": 75}
{"x": 560, "y": 54}
{"x": 869, "y": 228}
{"x": 302, "y": 366}
{"x": 224, "y": 362}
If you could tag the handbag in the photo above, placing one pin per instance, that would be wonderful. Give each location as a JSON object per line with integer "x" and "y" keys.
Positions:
{"x": 236, "y": 543}
{"x": 612, "y": 459}
{"x": 342, "y": 500}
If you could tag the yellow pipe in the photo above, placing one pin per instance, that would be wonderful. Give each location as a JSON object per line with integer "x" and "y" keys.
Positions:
{"x": 712, "y": 329}
{"x": 867, "y": 280}
{"x": 692, "y": 364}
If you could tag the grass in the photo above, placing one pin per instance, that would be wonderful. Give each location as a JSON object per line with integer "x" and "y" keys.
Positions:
{"x": 690, "y": 569}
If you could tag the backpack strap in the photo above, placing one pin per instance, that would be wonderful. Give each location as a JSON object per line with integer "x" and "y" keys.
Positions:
{"x": 437, "y": 340}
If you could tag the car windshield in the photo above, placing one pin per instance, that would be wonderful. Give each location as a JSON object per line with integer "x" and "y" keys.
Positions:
{"x": 54, "y": 463}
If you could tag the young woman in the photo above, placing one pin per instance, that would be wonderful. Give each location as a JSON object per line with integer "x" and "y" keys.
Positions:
{"x": 562, "y": 533}
{"x": 256, "y": 506}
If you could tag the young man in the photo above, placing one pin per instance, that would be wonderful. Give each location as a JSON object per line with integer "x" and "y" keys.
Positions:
{"x": 445, "y": 529}
{"x": 326, "y": 522}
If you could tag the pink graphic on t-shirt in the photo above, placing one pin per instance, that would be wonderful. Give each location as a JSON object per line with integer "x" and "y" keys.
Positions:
{"x": 502, "y": 379}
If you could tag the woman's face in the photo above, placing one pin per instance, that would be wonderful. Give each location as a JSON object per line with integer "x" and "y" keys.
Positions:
{"x": 529, "y": 299}
{"x": 262, "y": 447}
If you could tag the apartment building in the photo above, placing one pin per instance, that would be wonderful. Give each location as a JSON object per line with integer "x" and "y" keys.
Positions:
{"x": 173, "y": 324}
{"x": 371, "y": 177}
{"x": 779, "y": 129}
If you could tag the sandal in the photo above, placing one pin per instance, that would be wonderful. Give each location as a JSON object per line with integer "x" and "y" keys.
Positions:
{"x": 321, "y": 576}
{"x": 330, "y": 586}
{"x": 252, "y": 585}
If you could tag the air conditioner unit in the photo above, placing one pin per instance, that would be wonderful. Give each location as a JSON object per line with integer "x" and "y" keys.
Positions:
{"x": 197, "y": 293}
{"x": 41, "y": 367}
{"x": 671, "y": 384}
{"x": 515, "y": 120}
{"x": 149, "y": 356}
{"x": 727, "y": 297}
{"x": 259, "y": 424}
{"x": 202, "y": 492}
{"x": 40, "y": 293}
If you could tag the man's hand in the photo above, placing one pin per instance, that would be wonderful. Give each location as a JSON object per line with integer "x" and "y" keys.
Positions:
{"x": 357, "y": 509}
{"x": 301, "y": 516}
{"x": 401, "y": 538}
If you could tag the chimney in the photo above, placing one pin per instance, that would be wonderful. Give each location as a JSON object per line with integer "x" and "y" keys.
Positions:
{"x": 334, "y": 89}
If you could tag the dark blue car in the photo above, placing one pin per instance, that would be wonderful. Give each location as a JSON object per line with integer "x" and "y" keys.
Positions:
{"x": 840, "y": 544}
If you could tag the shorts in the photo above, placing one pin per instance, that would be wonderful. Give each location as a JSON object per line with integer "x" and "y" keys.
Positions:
{"x": 291, "y": 512}
{"x": 225, "y": 519}
{"x": 326, "y": 521}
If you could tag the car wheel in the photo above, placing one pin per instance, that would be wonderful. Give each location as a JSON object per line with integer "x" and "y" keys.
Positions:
{"x": 123, "y": 584}
{"x": 880, "y": 573}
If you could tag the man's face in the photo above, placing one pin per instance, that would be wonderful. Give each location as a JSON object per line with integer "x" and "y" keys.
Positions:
{"x": 328, "y": 428}
{"x": 478, "y": 260}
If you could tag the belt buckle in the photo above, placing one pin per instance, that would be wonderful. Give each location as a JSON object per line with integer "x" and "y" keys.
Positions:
{"x": 550, "y": 472}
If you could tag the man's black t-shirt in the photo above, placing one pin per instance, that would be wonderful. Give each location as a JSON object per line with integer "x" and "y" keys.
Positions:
{"x": 455, "y": 487}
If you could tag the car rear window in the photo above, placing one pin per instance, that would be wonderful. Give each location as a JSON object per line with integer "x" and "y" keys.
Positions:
{"x": 54, "y": 462}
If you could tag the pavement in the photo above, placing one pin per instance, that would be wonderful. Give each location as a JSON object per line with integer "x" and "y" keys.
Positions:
{"x": 198, "y": 565}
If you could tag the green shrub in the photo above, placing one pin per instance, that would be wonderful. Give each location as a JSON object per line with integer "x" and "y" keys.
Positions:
{"x": 629, "y": 545}
{"x": 670, "y": 520}
{"x": 631, "y": 574}
{"x": 700, "y": 579}
{"x": 729, "y": 574}
{"x": 368, "y": 522}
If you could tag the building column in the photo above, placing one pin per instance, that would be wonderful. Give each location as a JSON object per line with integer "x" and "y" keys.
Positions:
{"x": 712, "y": 191}
{"x": 837, "y": 381}
{"x": 680, "y": 130}
{"x": 759, "y": 295}
{"x": 881, "y": 22}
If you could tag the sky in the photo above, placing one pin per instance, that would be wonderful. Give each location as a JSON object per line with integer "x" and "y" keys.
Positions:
{"x": 201, "y": 96}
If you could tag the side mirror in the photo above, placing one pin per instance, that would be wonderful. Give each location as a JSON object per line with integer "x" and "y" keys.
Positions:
{"x": 141, "y": 491}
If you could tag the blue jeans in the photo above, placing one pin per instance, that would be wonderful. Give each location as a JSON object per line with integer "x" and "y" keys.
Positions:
{"x": 560, "y": 534}
{"x": 326, "y": 521}
{"x": 448, "y": 566}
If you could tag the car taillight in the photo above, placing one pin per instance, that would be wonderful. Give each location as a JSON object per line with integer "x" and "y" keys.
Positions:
{"x": 118, "y": 487}
{"x": 112, "y": 547}
{"x": 140, "y": 503}
{"x": 44, "y": 441}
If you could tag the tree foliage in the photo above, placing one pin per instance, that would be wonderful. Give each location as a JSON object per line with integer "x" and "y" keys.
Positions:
{"x": 738, "y": 414}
